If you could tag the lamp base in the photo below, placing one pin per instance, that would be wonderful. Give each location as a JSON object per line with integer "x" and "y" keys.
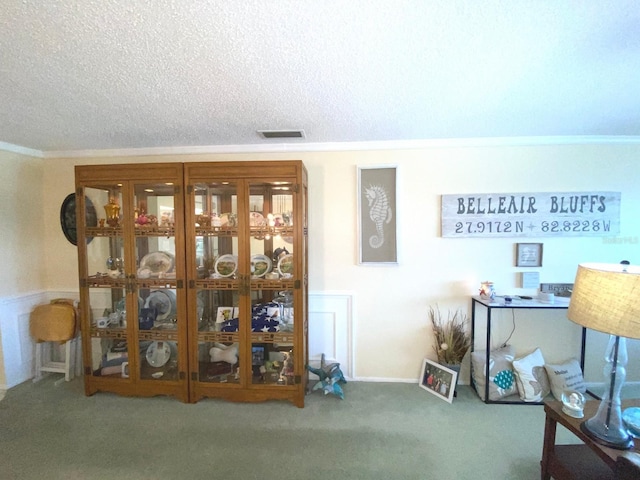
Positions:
{"x": 620, "y": 443}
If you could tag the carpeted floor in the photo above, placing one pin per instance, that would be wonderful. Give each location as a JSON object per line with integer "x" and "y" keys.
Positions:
{"x": 380, "y": 431}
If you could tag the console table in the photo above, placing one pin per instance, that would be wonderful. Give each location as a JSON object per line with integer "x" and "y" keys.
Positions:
{"x": 499, "y": 303}
{"x": 586, "y": 461}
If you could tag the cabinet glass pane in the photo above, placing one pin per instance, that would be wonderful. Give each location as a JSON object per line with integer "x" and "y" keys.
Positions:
{"x": 106, "y": 257}
{"x": 105, "y": 250}
{"x": 154, "y": 230}
{"x": 158, "y": 311}
{"x": 271, "y": 281}
{"x": 272, "y": 337}
{"x": 218, "y": 362}
{"x": 158, "y": 360}
{"x": 108, "y": 332}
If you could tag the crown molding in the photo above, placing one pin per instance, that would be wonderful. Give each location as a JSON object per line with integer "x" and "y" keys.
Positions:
{"x": 332, "y": 146}
{"x": 10, "y": 147}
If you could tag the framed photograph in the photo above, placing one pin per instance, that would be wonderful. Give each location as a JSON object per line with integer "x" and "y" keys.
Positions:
{"x": 377, "y": 224}
{"x": 224, "y": 314}
{"x": 438, "y": 380}
{"x": 257, "y": 355}
{"x": 528, "y": 254}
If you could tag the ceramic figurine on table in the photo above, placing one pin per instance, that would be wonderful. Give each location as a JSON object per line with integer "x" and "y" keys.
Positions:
{"x": 487, "y": 291}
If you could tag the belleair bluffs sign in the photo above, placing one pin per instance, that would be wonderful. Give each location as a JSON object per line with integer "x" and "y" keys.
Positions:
{"x": 584, "y": 214}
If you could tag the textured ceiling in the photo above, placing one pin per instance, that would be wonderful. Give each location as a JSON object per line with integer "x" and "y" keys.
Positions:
{"x": 120, "y": 74}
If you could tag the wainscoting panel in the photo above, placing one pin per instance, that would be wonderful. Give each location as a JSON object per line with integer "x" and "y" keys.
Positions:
{"x": 331, "y": 330}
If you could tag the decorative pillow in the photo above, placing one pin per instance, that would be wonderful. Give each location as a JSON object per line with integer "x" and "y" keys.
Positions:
{"x": 565, "y": 376}
{"x": 531, "y": 377}
{"x": 501, "y": 381}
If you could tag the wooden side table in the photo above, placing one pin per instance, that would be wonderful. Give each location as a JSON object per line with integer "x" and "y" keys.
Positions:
{"x": 586, "y": 461}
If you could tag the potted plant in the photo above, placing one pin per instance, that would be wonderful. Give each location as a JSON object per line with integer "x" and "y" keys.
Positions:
{"x": 451, "y": 339}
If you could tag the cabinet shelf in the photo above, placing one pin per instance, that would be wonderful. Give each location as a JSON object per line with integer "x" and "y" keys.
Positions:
{"x": 105, "y": 281}
{"x": 218, "y": 337}
{"x": 151, "y": 231}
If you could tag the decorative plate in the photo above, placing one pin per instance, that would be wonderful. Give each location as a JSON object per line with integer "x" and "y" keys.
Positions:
{"x": 158, "y": 354}
{"x": 285, "y": 265}
{"x": 260, "y": 265}
{"x": 226, "y": 265}
{"x": 157, "y": 262}
{"x": 121, "y": 305}
{"x": 68, "y": 217}
{"x": 164, "y": 302}
{"x": 256, "y": 219}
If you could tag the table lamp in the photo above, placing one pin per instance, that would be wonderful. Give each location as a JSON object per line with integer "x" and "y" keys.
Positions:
{"x": 606, "y": 298}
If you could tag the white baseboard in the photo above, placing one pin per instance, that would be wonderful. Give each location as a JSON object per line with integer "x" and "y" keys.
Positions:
{"x": 392, "y": 380}
{"x": 632, "y": 384}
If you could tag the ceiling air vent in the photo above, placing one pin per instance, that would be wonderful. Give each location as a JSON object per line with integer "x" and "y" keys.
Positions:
{"x": 281, "y": 133}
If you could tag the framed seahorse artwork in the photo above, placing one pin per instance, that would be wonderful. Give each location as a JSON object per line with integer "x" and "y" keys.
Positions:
{"x": 377, "y": 223}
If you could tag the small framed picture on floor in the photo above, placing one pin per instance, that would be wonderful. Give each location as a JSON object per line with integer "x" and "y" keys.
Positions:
{"x": 438, "y": 380}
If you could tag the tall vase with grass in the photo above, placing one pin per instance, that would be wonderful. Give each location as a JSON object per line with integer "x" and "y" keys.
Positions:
{"x": 451, "y": 337}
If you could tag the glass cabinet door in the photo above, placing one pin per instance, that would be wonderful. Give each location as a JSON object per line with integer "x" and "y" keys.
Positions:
{"x": 155, "y": 282}
{"x": 109, "y": 307}
{"x": 132, "y": 274}
{"x": 271, "y": 279}
{"x": 217, "y": 284}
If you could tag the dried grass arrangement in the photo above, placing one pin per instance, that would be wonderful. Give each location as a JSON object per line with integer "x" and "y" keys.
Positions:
{"x": 451, "y": 337}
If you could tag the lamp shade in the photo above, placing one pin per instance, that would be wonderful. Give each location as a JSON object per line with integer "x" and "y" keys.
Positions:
{"x": 606, "y": 298}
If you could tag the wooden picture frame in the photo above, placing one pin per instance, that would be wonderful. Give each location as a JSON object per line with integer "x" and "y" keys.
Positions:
{"x": 377, "y": 221}
{"x": 438, "y": 380}
{"x": 528, "y": 254}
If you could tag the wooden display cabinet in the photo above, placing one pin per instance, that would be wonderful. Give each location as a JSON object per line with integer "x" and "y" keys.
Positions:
{"x": 194, "y": 283}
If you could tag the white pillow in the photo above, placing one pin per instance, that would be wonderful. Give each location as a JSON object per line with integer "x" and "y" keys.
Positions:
{"x": 531, "y": 377}
{"x": 501, "y": 381}
{"x": 565, "y": 376}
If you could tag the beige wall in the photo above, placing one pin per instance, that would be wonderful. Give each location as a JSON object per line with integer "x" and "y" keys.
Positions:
{"x": 21, "y": 229}
{"x": 391, "y": 327}
{"x": 22, "y": 223}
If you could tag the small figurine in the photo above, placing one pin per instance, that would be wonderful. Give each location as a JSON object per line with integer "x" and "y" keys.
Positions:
{"x": 287, "y": 372}
{"x": 112, "y": 210}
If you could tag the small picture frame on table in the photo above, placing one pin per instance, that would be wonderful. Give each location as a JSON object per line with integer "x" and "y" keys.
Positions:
{"x": 528, "y": 254}
{"x": 438, "y": 380}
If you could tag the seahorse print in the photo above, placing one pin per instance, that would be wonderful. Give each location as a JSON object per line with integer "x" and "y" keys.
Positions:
{"x": 379, "y": 212}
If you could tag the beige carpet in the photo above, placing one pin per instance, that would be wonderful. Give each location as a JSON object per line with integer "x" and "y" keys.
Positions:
{"x": 380, "y": 431}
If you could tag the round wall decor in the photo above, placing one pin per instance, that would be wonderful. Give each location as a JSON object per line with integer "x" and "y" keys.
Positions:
{"x": 68, "y": 217}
